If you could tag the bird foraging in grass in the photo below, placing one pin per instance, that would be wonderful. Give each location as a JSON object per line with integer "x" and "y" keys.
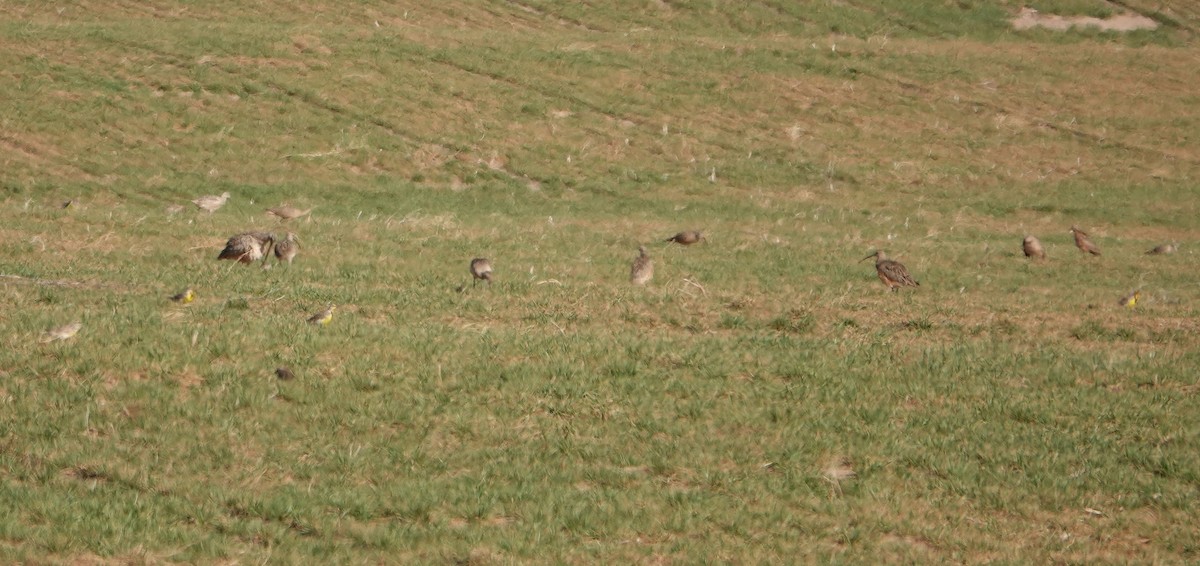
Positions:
{"x": 1033, "y": 248}
{"x": 184, "y": 297}
{"x": 481, "y": 270}
{"x": 284, "y": 374}
{"x": 64, "y": 332}
{"x": 1083, "y": 243}
{"x": 1163, "y": 249}
{"x": 248, "y": 247}
{"x": 1129, "y": 301}
{"x": 287, "y": 248}
{"x": 285, "y": 213}
{"x": 322, "y": 318}
{"x": 642, "y": 269}
{"x": 686, "y": 238}
{"x": 210, "y": 203}
{"x": 891, "y": 272}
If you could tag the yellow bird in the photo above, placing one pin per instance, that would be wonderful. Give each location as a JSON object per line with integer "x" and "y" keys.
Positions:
{"x": 184, "y": 297}
{"x": 1129, "y": 301}
{"x": 323, "y": 317}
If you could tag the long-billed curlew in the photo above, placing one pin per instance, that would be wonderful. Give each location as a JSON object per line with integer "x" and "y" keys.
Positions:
{"x": 1083, "y": 243}
{"x": 481, "y": 269}
{"x": 285, "y": 213}
{"x": 185, "y": 296}
{"x": 642, "y": 269}
{"x": 686, "y": 238}
{"x": 1129, "y": 301}
{"x": 248, "y": 247}
{"x": 1033, "y": 248}
{"x": 287, "y": 248}
{"x": 64, "y": 332}
{"x": 323, "y": 317}
{"x": 1163, "y": 249}
{"x": 891, "y": 272}
{"x": 211, "y": 203}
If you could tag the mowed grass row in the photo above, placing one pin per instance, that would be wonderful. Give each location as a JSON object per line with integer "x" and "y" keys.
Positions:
{"x": 762, "y": 399}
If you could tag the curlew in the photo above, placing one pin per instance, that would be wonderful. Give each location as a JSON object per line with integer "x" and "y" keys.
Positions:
{"x": 211, "y": 203}
{"x": 1083, "y": 243}
{"x": 287, "y": 248}
{"x": 64, "y": 332}
{"x": 1033, "y": 248}
{"x": 1163, "y": 249}
{"x": 322, "y": 318}
{"x": 185, "y": 296}
{"x": 481, "y": 269}
{"x": 285, "y": 213}
{"x": 248, "y": 247}
{"x": 891, "y": 272}
{"x": 686, "y": 238}
{"x": 642, "y": 269}
{"x": 1129, "y": 301}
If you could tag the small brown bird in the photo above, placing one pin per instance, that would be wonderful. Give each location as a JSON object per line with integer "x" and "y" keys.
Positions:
{"x": 1129, "y": 301}
{"x": 248, "y": 247}
{"x": 686, "y": 238}
{"x": 285, "y": 213}
{"x": 1033, "y": 248}
{"x": 287, "y": 248}
{"x": 1163, "y": 249}
{"x": 284, "y": 373}
{"x": 481, "y": 269}
{"x": 64, "y": 332}
{"x": 1083, "y": 243}
{"x": 211, "y": 203}
{"x": 892, "y": 273}
{"x": 642, "y": 269}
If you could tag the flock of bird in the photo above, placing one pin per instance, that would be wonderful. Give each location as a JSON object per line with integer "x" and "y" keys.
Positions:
{"x": 253, "y": 246}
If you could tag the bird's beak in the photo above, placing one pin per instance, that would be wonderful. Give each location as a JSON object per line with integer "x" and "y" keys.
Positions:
{"x": 868, "y": 257}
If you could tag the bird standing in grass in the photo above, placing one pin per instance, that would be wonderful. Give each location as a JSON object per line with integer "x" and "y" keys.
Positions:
{"x": 185, "y": 296}
{"x": 64, "y": 332}
{"x": 284, "y": 373}
{"x": 285, "y": 213}
{"x": 891, "y": 272}
{"x": 287, "y": 248}
{"x": 642, "y": 269}
{"x": 686, "y": 238}
{"x": 1129, "y": 301}
{"x": 1163, "y": 249}
{"x": 211, "y": 203}
{"x": 481, "y": 269}
{"x": 322, "y": 318}
{"x": 1083, "y": 243}
{"x": 248, "y": 247}
{"x": 1033, "y": 248}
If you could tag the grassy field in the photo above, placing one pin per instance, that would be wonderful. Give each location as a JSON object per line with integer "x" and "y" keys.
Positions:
{"x": 763, "y": 400}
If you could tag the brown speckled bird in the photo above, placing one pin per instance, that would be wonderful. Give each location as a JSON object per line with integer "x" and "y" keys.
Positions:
{"x": 686, "y": 238}
{"x": 287, "y": 248}
{"x": 284, "y": 373}
{"x": 64, "y": 332}
{"x": 1033, "y": 248}
{"x": 211, "y": 203}
{"x": 1163, "y": 249}
{"x": 892, "y": 273}
{"x": 481, "y": 270}
{"x": 248, "y": 247}
{"x": 285, "y": 213}
{"x": 642, "y": 269}
{"x": 1083, "y": 243}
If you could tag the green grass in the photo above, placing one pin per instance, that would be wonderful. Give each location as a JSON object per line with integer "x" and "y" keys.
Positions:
{"x": 1005, "y": 411}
